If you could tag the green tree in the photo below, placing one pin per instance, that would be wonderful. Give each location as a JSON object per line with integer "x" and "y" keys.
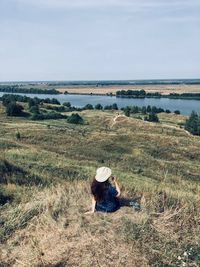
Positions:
{"x": 134, "y": 109}
{"x": 148, "y": 109}
{"x": 99, "y": 107}
{"x": 31, "y": 103}
{"x": 75, "y": 118}
{"x": 154, "y": 109}
{"x": 144, "y": 110}
{"x": 55, "y": 101}
{"x": 127, "y": 111}
{"x": 192, "y": 125}
{"x": 114, "y": 106}
{"x": 34, "y": 109}
{"x": 67, "y": 104}
{"x": 152, "y": 117}
{"x": 13, "y": 109}
{"x": 88, "y": 106}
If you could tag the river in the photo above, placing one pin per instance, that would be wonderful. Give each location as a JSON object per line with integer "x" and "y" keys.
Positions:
{"x": 185, "y": 106}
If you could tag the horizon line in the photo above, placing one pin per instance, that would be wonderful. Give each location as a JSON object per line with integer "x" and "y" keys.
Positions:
{"x": 99, "y": 80}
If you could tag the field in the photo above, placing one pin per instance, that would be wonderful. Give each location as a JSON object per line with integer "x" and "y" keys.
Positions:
{"x": 163, "y": 89}
{"x": 46, "y": 170}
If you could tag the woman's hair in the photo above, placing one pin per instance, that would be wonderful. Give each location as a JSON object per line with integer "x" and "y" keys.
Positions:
{"x": 99, "y": 189}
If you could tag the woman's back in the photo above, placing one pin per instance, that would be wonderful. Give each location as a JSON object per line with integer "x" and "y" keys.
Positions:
{"x": 109, "y": 203}
{"x": 104, "y": 195}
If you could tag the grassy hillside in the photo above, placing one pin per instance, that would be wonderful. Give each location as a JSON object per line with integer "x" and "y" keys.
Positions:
{"x": 45, "y": 189}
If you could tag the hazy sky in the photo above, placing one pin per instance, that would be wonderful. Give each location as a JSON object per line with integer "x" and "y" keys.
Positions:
{"x": 99, "y": 39}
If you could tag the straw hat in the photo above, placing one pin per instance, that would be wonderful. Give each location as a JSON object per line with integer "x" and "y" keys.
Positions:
{"x": 102, "y": 174}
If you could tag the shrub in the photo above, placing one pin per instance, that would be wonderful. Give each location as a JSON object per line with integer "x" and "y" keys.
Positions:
{"x": 177, "y": 112}
{"x": 13, "y": 109}
{"x": 31, "y": 103}
{"x": 48, "y": 116}
{"x": 75, "y": 118}
{"x": 60, "y": 108}
{"x": 34, "y": 109}
{"x": 55, "y": 101}
{"x": 114, "y": 106}
{"x": 144, "y": 110}
{"x": 152, "y": 117}
{"x": 18, "y": 135}
{"x": 67, "y": 104}
{"x": 88, "y": 106}
{"x": 148, "y": 109}
{"x": 98, "y": 107}
{"x": 127, "y": 111}
{"x": 111, "y": 107}
{"x": 192, "y": 125}
{"x": 134, "y": 109}
{"x": 167, "y": 111}
{"x": 5, "y": 197}
{"x": 107, "y": 107}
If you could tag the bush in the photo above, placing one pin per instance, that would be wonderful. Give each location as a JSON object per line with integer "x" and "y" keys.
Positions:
{"x": 98, "y": 107}
{"x": 48, "y": 116}
{"x": 152, "y": 117}
{"x": 55, "y": 101}
{"x": 127, "y": 111}
{"x": 134, "y": 109}
{"x": 114, "y": 106}
{"x": 75, "y": 118}
{"x": 67, "y": 104}
{"x": 13, "y": 109}
{"x": 148, "y": 109}
{"x": 31, "y": 103}
{"x": 18, "y": 136}
{"x": 144, "y": 110}
{"x": 167, "y": 111}
{"x": 88, "y": 106}
{"x": 60, "y": 108}
{"x": 5, "y": 197}
{"x": 107, "y": 107}
{"x": 111, "y": 107}
{"x": 192, "y": 125}
{"x": 177, "y": 112}
{"x": 34, "y": 109}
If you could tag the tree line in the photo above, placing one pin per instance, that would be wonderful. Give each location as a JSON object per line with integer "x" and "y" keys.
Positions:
{"x": 144, "y": 94}
{"x": 136, "y": 94}
{"x": 17, "y": 89}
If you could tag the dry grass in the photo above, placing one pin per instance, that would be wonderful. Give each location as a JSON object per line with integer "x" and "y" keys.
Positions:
{"x": 58, "y": 232}
{"x": 45, "y": 224}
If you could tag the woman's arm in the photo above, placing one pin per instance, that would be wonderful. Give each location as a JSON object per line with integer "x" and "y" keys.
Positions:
{"x": 116, "y": 186}
{"x": 92, "y": 207}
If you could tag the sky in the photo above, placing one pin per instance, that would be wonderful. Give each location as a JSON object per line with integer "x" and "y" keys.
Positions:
{"x": 99, "y": 39}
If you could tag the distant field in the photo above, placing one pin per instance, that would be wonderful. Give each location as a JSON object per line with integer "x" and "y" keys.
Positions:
{"x": 164, "y": 89}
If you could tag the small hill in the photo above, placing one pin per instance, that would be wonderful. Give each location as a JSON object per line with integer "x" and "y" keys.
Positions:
{"x": 45, "y": 184}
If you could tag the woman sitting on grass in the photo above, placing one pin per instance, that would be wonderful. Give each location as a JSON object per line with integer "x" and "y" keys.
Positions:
{"x": 104, "y": 195}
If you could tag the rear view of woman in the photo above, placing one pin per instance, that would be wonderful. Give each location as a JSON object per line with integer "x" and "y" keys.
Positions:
{"x": 104, "y": 195}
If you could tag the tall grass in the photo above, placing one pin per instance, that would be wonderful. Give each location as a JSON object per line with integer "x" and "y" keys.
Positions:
{"x": 45, "y": 177}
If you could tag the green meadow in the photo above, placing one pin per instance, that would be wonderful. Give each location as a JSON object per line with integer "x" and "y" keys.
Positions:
{"x": 45, "y": 172}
